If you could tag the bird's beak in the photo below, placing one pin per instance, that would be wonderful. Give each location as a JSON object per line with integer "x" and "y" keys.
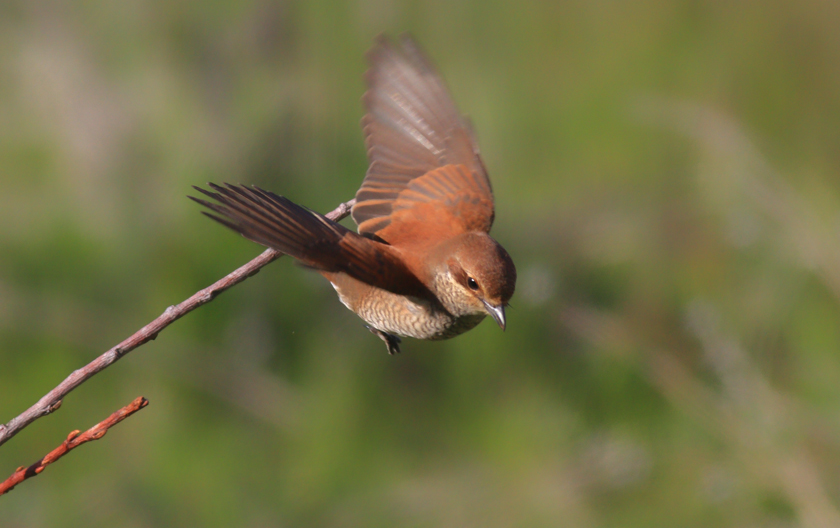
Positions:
{"x": 497, "y": 313}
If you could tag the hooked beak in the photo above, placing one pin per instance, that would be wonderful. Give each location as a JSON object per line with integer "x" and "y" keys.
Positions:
{"x": 497, "y": 313}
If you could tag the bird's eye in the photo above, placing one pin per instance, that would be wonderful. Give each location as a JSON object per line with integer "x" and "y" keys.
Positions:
{"x": 471, "y": 283}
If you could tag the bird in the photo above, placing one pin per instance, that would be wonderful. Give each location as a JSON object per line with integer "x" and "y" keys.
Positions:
{"x": 422, "y": 264}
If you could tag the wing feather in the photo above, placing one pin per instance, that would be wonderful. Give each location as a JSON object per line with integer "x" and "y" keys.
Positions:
{"x": 412, "y": 129}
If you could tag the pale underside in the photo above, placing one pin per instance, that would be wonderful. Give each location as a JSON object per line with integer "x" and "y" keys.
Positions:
{"x": 402, "y": 315}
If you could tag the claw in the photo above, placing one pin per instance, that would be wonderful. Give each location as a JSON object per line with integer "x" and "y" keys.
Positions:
{"x": 391, "y": 341}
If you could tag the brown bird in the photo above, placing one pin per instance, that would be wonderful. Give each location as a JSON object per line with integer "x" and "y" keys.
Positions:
{"x": 422, "y": 264}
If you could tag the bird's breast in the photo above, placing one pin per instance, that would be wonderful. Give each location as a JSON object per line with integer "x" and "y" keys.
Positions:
{"x": 399, "y": 314}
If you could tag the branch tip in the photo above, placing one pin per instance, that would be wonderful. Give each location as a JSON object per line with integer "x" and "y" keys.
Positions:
{"x": 73, "y": 440}
{"x": 146, "y": 333}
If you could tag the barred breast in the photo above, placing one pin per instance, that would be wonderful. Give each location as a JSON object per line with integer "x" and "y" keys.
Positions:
{"x": 401, "y": 315}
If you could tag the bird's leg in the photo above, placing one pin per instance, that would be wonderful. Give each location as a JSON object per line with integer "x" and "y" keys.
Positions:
{"x": 391, "y": 341}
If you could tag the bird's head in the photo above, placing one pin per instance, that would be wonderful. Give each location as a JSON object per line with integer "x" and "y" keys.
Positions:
{"x": 479, "y": 278}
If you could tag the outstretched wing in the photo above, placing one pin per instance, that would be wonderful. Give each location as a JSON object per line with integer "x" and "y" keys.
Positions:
{"x": 313, "y": 239}
{"x": 424, "y": 161}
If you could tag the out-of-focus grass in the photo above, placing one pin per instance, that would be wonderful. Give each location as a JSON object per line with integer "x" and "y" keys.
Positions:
{"x": 665, "y": 181}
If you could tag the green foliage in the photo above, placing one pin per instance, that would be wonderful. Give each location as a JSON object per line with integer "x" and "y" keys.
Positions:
{"x": 665, "y": 182}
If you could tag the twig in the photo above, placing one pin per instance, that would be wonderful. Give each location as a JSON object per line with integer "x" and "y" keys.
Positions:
{"x": 74, "y": 439}
{"x": 52, "y": 400}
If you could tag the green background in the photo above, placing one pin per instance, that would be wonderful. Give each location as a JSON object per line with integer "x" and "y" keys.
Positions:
{"x": 666, "y": 179}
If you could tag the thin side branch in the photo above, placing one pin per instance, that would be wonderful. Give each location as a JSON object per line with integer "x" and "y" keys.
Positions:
{"x": 74, "y": 439}
{"x": 52, "y": 400}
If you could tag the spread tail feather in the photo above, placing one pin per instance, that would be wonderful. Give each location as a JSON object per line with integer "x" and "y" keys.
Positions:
{"x": 314, "y": 240}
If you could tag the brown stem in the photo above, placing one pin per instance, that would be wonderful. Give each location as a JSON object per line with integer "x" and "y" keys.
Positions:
{"x": 74, "y": 439}
{"x": 52, "y": 400}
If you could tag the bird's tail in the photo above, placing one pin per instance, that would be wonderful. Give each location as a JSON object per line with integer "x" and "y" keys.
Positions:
{"x": 314, "y": 240}
{"x": 275, "y": 222}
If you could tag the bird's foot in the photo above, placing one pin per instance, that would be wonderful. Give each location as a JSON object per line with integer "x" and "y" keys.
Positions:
{"x": 391, "y": 341}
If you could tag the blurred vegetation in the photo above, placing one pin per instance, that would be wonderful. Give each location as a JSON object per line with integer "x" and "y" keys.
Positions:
{"x": 666, "y": 182}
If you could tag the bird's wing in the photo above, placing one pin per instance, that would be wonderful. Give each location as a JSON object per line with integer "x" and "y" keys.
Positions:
{"x": 423, "y": 156}
{"x": 314, "y": 240}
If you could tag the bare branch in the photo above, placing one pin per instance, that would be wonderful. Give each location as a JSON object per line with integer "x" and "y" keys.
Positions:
{"x": 74, "y": 439}
{"x": 52, "y": 400}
